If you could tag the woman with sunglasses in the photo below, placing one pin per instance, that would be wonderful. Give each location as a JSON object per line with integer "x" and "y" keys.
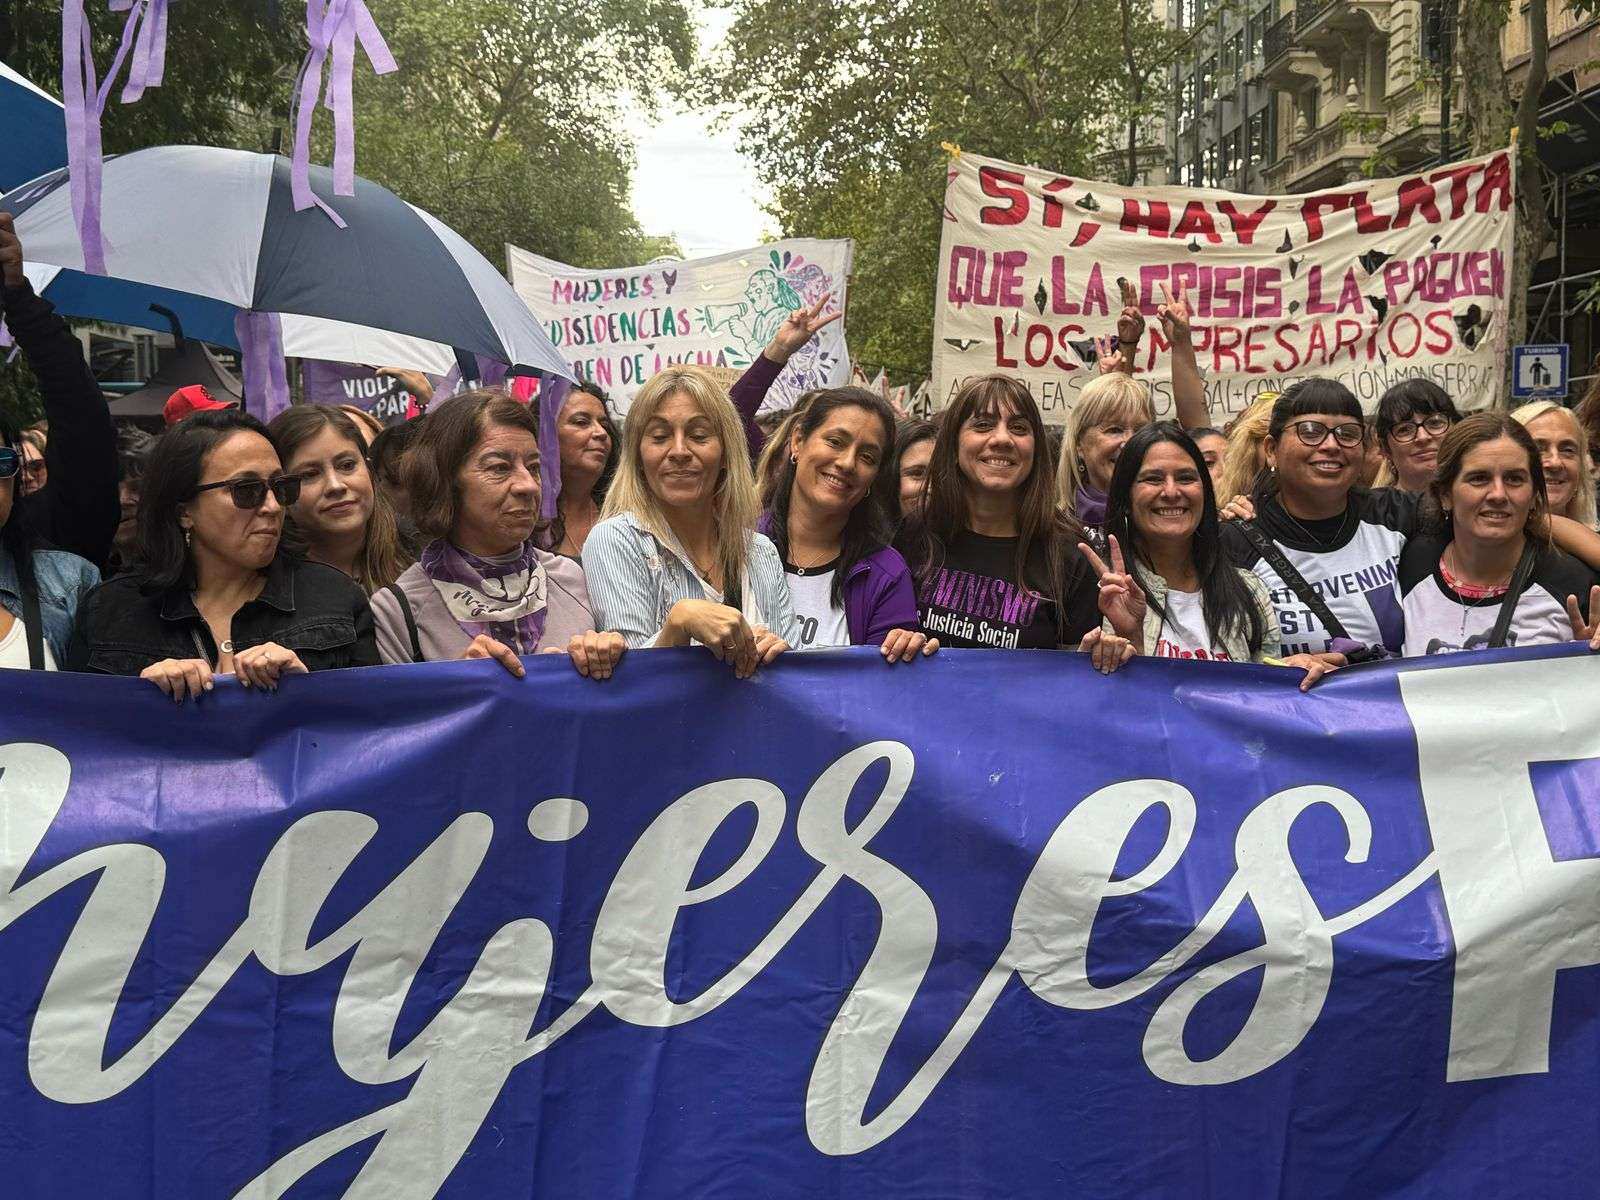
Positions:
{"x": 1413, "y": 417}
{"x": 40, "y": 590}
{"x": 213, "y": 591}
{"x": 1326, "y": 549}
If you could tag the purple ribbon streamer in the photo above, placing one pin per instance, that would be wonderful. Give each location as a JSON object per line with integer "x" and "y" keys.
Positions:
{"x": 84, "y": 99}
{"x": 266, "y": 379}
{"x": 333, "y": 30}
{"x": 553, "y": 392}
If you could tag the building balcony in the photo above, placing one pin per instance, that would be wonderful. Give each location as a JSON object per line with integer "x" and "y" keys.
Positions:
{"x": 1332, "y": 27}
{"x": 1331, "y": 156}
{"x": 1286, "y": 64}
{"x": 1412, "y": 135}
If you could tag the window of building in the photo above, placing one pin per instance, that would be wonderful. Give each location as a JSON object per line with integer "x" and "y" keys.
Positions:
{"x": 1260, "y": 152}
{"x": 1187, "y": 14}
{"x": 1206, "y": 81}
{"x": 1229, "y": 166}
{"x": 1208, "y": 168}
{"x": 1188, "y": 109}
{"x": 1255, "y": 32}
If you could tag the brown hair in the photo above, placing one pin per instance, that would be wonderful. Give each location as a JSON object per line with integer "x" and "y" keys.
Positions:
{"x": 383, "y": 557}
{"x": 1040, "y": 524}
{"x": 1466, "y": 435}
{"x": 433, "y": 460}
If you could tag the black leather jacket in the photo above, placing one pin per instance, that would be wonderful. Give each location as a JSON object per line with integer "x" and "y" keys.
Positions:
{"x": 316, "y": 611}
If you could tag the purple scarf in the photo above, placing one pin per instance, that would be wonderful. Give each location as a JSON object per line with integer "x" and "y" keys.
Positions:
{"x": 1091, "y": 506}
{"x": 505, "y": 599}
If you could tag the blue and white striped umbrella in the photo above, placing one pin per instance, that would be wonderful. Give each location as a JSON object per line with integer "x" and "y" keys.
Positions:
{"x": 35, "y": 130}
{"x": 221, "y": 224}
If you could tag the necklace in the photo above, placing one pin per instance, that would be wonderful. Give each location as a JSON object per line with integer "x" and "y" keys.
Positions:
{"x": 813, "y": 568}
{"x": 1322, "y": 543}
{"x": 1470, "y": 591}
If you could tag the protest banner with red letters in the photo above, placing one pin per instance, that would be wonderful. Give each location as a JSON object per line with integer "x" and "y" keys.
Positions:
{"x": 1370, "y": 283}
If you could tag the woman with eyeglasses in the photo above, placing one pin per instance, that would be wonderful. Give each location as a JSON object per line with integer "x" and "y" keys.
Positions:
{"x": 1326, "y": 549}
{"x": 213, "y": 591}
{"x": 1413, "y": 417}
{"x": 40, "y": 590}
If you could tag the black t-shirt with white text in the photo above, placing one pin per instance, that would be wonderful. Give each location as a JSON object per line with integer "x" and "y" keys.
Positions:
{"x": 974, "y": 600}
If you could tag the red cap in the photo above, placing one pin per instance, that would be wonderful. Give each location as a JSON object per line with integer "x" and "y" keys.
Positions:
{"x": 187, "y": 401}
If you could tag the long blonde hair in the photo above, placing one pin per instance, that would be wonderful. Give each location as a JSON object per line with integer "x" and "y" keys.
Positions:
{"x": 1241, "y": 462}
{"x": 734, "y": 501}
{"x": 1102, "y": 399}
{"x": 1582, "y": 499}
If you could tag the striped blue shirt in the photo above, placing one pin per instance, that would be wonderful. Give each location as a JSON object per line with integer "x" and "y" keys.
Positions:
{"x": 635, "y": 579}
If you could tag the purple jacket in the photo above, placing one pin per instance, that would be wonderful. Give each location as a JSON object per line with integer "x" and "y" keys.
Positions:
{"x": 747, "y": 393}
{"x": 878, "y": 594}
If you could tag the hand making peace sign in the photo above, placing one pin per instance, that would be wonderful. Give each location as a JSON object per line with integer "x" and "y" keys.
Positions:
{"x": 1121, "y": 600}
{"x": 801, "y": 326}
{"x": 1586, "y": 631}
{"x": 1173, "y": 313}
{"x": 1130, "y": 321}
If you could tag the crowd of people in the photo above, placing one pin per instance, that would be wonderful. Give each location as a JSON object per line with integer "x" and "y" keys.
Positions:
{"x": 1303, "y": 535}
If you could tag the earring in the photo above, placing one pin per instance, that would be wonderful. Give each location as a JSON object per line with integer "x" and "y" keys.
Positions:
{"x": 794, "y": 459}
{"x": 187, "y": 535}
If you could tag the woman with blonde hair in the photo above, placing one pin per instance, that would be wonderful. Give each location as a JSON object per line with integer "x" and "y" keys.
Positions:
{"x": 1247, "y": 449}
{"x": 675, "y": 559}
{"x": 1109, "y": 411}
{"x": 1564, "y": 454}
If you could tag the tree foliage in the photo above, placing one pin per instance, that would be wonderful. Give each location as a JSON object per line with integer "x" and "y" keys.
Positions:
{"x": 849, "y": 101}
{"x": 508, "y": 118}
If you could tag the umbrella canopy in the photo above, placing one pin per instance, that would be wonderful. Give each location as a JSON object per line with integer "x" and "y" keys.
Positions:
{"x": 221, "y": 224}
{"x": 35, "y": 130}
{"x": 191, "y": 363}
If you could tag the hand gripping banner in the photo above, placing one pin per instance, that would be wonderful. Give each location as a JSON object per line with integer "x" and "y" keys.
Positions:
{"x": 989, "y": 925}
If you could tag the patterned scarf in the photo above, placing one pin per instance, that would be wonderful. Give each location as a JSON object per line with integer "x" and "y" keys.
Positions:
{"x": 504, "y": 598}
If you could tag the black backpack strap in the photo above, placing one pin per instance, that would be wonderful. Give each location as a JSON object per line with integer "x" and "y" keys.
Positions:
{"x": 1296, "y": 582}
{"x": 1508, "y": 606}
{"x": 410, "y": 618}
{"x": 33, "y": 622}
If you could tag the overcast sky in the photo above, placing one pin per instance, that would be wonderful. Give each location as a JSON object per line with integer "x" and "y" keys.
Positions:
{"x": 692, "y": 183}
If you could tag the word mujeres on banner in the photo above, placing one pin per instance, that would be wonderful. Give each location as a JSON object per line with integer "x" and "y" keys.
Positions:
{"x": 893, "y": 940}
{"x": 1370, "y": 284}
{"x": 617, "y": 327}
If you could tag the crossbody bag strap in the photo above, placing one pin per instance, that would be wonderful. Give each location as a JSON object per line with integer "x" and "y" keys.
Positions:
{"x": 410, "y": 619}
{"x": 33, "y": 623}
{"x": 1296, "y": 582}
{"x": 1508, "y": 605}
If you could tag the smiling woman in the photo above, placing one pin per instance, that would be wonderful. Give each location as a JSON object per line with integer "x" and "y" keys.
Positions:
{"x": 1564, "y": 454}
{"x": 1486, "y": 575}
{"x": 676, "y": 561}
{"x": 829, "y": 521}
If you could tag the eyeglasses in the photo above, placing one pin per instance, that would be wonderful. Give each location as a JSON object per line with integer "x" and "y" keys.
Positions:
{"x": 252, "y": 493}
{"x": 10, "y": 462}
{"x": 1407, "y": 431}
{"x": 1314, "y": 433}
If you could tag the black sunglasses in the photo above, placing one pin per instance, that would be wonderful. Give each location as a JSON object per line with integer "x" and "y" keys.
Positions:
{"x": 252, "y": 493}
{"x": 10, "y": 462}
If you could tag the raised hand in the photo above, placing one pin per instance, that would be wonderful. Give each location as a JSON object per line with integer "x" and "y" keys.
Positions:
{"x": 10, "y": 252}
{"x": 1122, "y": 601}
{"x": 1586, "y": 630}
{"x": 1130, "y": 321}
{"x": 1110, "y": 356}
{"x": 801, "y": 326}
{"x": 414, "y": 382}
{"x": 1173, "y": 313}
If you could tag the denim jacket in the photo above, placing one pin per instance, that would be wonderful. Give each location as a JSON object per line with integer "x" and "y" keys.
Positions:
{"x": 63, "y": 580}
{"x": 316, "y": 611}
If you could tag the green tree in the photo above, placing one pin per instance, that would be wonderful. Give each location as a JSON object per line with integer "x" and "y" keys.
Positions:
{"x": 850, "y": 100}
{"x": 507, "y": 119}
{"x": 230, "y": 63}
